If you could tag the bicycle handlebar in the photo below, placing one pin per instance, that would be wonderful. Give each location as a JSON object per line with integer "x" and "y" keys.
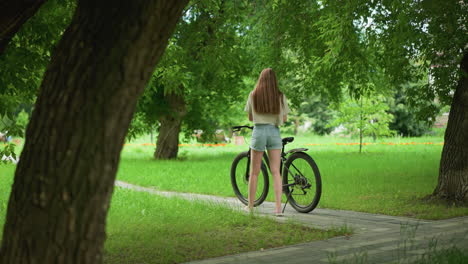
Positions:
{"x": 238, "y": 128}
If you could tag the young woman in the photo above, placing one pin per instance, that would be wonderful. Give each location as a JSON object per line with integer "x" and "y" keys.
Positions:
{"x": 267, "y": 108}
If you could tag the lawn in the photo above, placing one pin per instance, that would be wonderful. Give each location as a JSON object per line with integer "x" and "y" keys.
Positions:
{"x": 390, "y": 177}
{"x": 146, "y": 228}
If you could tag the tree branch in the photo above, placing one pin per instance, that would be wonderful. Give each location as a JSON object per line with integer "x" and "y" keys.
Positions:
{"x": 13, "y": 14}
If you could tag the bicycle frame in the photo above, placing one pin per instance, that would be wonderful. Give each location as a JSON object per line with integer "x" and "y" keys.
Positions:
{"x": 282, "y": 161}
{"x": 267, "y": 160}
{"x": 295, "y": 178}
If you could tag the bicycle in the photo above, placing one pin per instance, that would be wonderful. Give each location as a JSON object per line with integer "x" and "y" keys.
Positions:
{"x": 301, "y": 178}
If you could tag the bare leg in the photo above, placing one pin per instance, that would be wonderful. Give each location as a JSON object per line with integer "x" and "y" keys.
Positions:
{"x": 256, "y": 161}
{"x": 275, "y": 158}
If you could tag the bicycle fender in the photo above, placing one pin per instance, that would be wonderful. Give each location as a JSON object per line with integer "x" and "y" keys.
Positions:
{"x": 296, "y": 150}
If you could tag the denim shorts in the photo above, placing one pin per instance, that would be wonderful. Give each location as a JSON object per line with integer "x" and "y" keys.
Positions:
{"x": 266, "y": 136}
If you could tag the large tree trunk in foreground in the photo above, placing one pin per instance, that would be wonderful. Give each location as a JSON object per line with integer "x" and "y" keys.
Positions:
{"x": 167, "y": 145}
{"x": 13, "y": 14}
{"x": 453, "y": 172}
{"x": 64, "y": 180}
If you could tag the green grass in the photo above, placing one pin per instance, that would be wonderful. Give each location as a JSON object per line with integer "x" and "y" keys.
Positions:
{"x": 451, "y": 255}
{"x": 6, "y": 180}
{"x": 146, "y": 228}
{"x": 143, "y": 228}
{"x": 386, "y": 179}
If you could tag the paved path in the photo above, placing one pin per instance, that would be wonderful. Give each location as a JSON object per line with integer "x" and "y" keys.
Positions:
{"x": 376, "y": 238}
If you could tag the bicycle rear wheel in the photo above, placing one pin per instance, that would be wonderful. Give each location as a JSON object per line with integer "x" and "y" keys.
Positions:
{"x": 240, "y": 173}
{"x": 302, "y": 182}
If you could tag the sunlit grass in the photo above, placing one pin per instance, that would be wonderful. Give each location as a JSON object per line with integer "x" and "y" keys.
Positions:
{"x": 6, "y": 180}
{"x": 146, "y": 228}
{"x": 386, "y": 179}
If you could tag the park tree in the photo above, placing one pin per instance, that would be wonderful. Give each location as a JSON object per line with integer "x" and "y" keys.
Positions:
{"x": 65, "y": 178}
{"x": 434, "y": 34}
{"x": 333, "y": 42}
{"x": 366, "y": 116}
{"x": 28, "y": 53}
{"x": 13, "y": 15}
{"x": 317, "y": 49}
{"x": 453, "y": 174}
{"x": 406, "y": 121}
{"x": 319, "y": 112}
{"x": 24, "y": 62}
{"x": 200, "y": 75}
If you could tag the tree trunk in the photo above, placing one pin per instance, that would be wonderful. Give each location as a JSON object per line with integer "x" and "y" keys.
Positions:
{"x": 151, "y": 135}
{"x": 167, "y": 145}
{"x": 453, "y": 173}
{"x": 13, "y": 14}
{"x": 65, "y": 178}
{"x": 296, "y": 125}
{"x": 361, "y": 126}
{"x": 360, "y": 140}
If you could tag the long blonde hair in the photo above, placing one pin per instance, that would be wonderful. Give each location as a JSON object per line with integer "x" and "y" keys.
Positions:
{"x": 266, "y": 97}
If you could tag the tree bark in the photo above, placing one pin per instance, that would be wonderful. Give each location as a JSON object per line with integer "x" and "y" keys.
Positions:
{"x": 296, "y": 125}
{"x": 167, "y": 145}
{"x": 13, "y": 14}
{"x": 361, "y": 125}
{"x": 65, "y": 178}
{"x": 453, "y": 173}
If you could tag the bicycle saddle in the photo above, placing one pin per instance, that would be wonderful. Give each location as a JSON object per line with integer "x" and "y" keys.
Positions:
{"x": 287, "y": 140}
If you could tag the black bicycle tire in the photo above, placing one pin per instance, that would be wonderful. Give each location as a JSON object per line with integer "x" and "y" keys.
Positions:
{"x": 318, "y": 182}
{"x": 235, "y": 186}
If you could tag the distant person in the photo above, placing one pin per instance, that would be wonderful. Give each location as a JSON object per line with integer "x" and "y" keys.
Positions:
{"x": 3, "y": 137}
{"x": 267, "y": 107}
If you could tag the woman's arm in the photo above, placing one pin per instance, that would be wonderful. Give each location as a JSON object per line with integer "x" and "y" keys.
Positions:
{"x": 285, "y": 118}
{"x": 250, "y": 117}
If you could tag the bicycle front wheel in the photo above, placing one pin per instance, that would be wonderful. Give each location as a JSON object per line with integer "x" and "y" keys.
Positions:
{"x": 302, "y": 182}
{"x": 240, "y": 174}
